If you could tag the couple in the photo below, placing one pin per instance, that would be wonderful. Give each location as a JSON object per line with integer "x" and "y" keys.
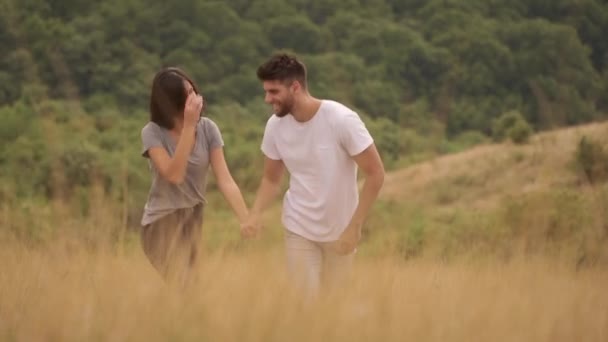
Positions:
{"x": 319, "y": 142}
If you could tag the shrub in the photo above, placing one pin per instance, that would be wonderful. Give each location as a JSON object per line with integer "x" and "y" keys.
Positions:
{"x": 512, "y": 125}
{"x": 592, "y": 158}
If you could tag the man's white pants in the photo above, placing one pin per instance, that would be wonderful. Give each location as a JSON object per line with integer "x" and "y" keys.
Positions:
{"x": 313, "y": 264}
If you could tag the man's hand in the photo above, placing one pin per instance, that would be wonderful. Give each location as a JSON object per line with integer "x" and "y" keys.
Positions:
{"x": 349, "y": 239}
{"x": 268, "y": 190}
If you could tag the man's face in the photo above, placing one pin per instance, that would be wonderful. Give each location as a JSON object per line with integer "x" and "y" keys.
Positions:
{"x": 280, "y": 96}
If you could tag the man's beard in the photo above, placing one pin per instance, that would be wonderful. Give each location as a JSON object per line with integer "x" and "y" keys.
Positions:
{"x": 284, "y": 109}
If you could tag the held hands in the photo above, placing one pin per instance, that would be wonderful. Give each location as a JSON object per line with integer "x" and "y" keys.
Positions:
{"x": 192, "y": 109}
{"x": 251, "y": 227}
{"x": 349, "y": 239}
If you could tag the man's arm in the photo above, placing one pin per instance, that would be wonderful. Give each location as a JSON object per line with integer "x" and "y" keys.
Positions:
{"x": 267, "y": 192}
{"x": 373, "y": 169}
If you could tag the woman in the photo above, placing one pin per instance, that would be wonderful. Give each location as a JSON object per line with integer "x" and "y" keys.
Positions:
{"x": 180, "y": 145}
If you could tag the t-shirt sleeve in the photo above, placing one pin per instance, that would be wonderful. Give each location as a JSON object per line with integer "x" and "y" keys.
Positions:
{"x": 150, "y": 137}
{"x": 354, "y": 136}
{"x": 269, "y": 146}
{"x": 213, "y": 134}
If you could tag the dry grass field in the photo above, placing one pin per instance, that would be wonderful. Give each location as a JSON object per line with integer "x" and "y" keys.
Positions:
{"x": 502, "y": 243}
{"x": 54, "y": 295}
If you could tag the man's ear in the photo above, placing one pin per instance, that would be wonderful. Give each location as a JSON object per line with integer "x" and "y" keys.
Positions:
{"x": 296, "y": 86}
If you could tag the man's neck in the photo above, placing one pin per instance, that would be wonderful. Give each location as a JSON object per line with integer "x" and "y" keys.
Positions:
{"x": 306, "y": 108}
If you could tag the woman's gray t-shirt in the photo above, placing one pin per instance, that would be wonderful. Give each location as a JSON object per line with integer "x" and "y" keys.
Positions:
{"x": 165, "y": 197}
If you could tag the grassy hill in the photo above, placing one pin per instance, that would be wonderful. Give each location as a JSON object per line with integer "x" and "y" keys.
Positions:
{"x": 480, "y": 177}
{"x": 499, "y": 199}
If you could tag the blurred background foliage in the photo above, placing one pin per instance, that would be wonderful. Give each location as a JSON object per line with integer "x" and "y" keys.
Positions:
{"x": 428, "y": 77}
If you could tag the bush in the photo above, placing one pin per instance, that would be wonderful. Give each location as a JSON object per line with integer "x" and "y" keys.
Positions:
{"x": 462, "y": 141}
{"x": 520, "y": 132}
{"x": 79, "y": 163}
{"x": 592, "y": 158}
{"x": 512, "y": 125}
{"x": 26, "y": 164}
{"x": 387, "y": 137}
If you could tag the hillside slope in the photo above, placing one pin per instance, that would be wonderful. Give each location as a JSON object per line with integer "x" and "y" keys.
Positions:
{"x": 504, "y": 200}
{"x": 480, "y": 176}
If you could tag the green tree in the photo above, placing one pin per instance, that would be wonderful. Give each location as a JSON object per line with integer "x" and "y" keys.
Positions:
{"x": 555, "y": 74}
{"x": 295, "y": 33}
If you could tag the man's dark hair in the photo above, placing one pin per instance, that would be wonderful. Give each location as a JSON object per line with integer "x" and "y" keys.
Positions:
{"x": 283, "y": 67}
{"x": 168, "y": 97}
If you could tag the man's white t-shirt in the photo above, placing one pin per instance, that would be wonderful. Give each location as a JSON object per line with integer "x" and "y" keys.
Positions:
{"x": 323, "y": 194}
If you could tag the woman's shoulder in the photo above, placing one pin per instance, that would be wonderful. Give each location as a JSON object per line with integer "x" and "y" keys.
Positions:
{"x": 205, "y": 120}
{"x": 151, "y": 126}
{"x": 151, "y": 129}
{"x": 207, "y": 124}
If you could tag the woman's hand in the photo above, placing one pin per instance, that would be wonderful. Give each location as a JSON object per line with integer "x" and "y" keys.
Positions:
{"x": 192, "y": 109}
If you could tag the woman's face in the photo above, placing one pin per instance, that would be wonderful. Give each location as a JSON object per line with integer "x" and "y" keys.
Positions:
{"x": 189, "y": 88}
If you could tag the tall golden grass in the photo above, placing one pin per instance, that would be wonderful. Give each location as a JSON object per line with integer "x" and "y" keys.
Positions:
{"x": 59, "y": 294}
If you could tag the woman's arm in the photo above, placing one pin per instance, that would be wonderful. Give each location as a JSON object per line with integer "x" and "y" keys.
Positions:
{"x": 227, "y": 185}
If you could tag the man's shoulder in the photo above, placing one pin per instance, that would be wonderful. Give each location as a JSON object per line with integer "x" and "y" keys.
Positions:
{"x": 337, "y": 112}
{"x": 335, "y": 106}
{"x": 273, "y": 120}
{"x": 271, "y": 123}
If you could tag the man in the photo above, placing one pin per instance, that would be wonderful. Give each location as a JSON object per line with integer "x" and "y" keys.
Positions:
{"x": 320, "y": 143}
